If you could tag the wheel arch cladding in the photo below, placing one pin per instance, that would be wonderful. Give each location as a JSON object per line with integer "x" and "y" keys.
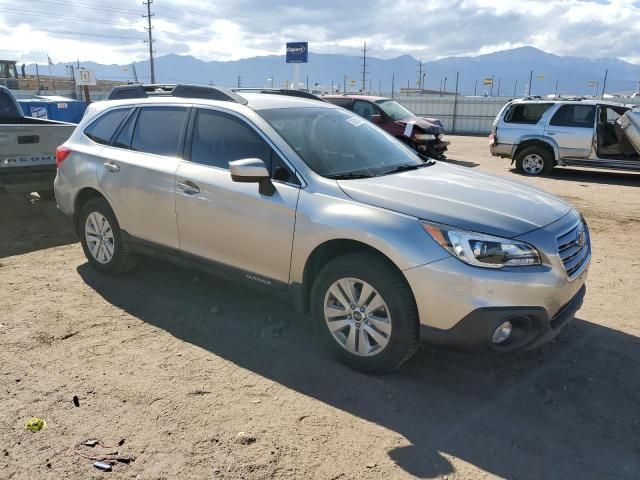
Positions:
{"x": 536, "y": 142}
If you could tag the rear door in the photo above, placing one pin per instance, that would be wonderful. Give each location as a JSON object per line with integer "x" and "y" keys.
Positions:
{"x": 138, "y": 172}
{"x": 572, "y": 126}
{"x": 232, "y": 223}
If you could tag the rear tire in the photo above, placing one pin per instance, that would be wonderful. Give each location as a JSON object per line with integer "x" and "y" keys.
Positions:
{"x": 379, "y": 331}
{"x": 534, "y": 161}
{"x": 101, "y": 238}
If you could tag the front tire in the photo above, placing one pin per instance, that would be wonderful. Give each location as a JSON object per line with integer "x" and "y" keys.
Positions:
{"x": 534, "y": 161}
{"x": 101, "y": 238}
{"x": 365, "y": 312}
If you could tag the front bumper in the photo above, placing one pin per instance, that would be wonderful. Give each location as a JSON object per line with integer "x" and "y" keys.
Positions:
{"x": 462, "y": 305}
{"x": 533, "y": 327}
{"x": 432, "y": 147}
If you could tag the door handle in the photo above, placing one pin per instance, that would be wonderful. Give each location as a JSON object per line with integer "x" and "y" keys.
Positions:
{"x": 188, "y": 187}
{"x": 112, "y": 167}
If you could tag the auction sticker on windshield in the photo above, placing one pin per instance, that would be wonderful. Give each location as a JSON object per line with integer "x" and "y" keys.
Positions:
{"x": 355, "y": 121}
{"x": 408, "y": 129}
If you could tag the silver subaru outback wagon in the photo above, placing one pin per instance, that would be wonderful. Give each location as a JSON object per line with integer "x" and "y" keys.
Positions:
{"x": 382, "y": 248}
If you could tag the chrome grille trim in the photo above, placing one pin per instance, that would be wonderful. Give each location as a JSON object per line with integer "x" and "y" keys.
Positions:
{"x": 574, "y": 252}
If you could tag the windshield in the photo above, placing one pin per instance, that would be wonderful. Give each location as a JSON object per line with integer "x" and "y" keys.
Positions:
{"x": 394, "y": 109}
{"x": 335, "y": 143}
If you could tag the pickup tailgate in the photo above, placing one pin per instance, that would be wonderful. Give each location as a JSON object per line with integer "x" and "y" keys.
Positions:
{"x": 31, "y": 145}
{"x": 630, "y": 123}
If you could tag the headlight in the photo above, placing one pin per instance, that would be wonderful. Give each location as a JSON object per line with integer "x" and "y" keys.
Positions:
{"x": 483, "y": 250}
{"x": 425, "y": 136}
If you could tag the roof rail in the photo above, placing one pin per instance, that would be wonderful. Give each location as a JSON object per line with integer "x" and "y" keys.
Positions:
{"x": 280, "y": 91}
{"x": 175, "y": 90}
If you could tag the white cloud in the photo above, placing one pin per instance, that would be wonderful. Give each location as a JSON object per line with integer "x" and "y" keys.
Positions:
{"x": 113, "y": 30}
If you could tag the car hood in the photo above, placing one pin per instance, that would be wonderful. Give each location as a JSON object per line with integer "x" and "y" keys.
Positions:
{"x": 462, "y": 198}
{"x": 427, "y": 125}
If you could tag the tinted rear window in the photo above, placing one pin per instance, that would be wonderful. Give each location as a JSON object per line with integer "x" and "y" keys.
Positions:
{"x": 341, "y": 102}
{"x": 526, "y": 112}
{"x": 8, "y": 107}
{"x": 102, "y": 129}
{"x": 582, "y": 116}
{"x": 158, "y": 130}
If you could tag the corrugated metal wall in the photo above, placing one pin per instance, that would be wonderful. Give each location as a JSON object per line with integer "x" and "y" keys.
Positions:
{"x": 473, "y": 115}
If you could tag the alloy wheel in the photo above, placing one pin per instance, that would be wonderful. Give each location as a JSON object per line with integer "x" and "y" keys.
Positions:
{"x": 99, "y": 236}
{"x": 533, "y": 164}
{"x": 357, "y": 317}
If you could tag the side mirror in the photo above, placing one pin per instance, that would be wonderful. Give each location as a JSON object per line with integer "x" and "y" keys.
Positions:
{"x": 252, "y": 170}
{"x": 377, "y": 119}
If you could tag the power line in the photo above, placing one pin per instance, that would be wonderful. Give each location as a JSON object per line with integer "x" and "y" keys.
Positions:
{"x": 150, "y": 41}
{"x": 86, "y": 5}
{"x": 64, "y": 17}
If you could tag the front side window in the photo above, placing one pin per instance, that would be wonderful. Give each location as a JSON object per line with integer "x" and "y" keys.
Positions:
{"x": 158, "y": 130}
{"x": 334, "y": 143}
{"x": 528, "y": 113}
{"x": 220, "y": 138}
{"x": 102, "y": 129}
{"x": 581, "y": 116}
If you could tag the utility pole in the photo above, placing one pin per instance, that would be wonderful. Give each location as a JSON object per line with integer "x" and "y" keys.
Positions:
{"x": 393, "y": 85}
{"x": 515, "y": 87}
{"x": 364, "y": 67}
{"x": 530, "y": 80}
{"x": 499, "y": 84}
{"x": 555, "y": 95}
{"x": 420, "y": 76}
{"x": 492, "y": 79}
{"x": 475, "y": 88}
{"x": 344, "y": 84}
{"x": 38, "y": 77}
{"x": 239, "y": 81}
{"x": 444, "y": 88}
{"x": 307, "y": 83}
{"x": 604, "y": 83}
{"x": 150, "y": 41}
{"x": 135, "y": 74}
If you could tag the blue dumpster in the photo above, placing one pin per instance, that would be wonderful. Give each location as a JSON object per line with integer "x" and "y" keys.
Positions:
{"x": 63, "y": 110}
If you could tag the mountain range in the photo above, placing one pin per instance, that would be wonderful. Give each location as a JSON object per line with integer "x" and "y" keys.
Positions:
{"x": 510, "y": 69}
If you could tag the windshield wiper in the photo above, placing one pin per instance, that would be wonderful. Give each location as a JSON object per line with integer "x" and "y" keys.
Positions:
{"x": 347, "y": 176}
{"x": 406, "y": 168}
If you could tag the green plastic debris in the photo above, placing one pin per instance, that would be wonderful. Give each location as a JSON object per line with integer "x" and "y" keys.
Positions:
{"x": 35, "y": 424}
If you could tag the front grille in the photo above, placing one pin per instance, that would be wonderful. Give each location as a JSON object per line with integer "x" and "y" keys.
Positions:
{"x": 573, "y": 248}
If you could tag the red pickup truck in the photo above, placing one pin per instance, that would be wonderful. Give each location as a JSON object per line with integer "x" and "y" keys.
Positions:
{"x": 425, "y": 135}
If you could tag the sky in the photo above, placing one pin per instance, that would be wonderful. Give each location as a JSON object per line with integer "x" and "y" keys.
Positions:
{"x": 113, "y": 31}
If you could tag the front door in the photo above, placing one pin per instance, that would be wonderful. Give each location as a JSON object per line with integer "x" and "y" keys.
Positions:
{"x": 232, "y": 223}
{"x": 573, "y": 129}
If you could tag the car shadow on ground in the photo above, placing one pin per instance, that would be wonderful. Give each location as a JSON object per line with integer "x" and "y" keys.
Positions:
{"x": 28, "y": 223}
{"x": 568, "y": 410}
{"x": 576, "y": 175}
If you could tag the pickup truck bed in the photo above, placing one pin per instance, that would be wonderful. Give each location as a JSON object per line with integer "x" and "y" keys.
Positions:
{"x": 27, "y": 148}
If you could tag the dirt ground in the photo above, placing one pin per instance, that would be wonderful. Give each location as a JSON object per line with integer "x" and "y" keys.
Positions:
{"x": 177, "y": 363}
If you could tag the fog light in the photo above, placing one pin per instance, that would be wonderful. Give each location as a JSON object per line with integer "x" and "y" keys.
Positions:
{"x": 501, "y": 333}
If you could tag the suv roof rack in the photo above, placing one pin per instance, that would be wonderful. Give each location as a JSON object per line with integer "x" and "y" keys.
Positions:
{"x": 280, "y": 91}
{"x": 175, "y": 90}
